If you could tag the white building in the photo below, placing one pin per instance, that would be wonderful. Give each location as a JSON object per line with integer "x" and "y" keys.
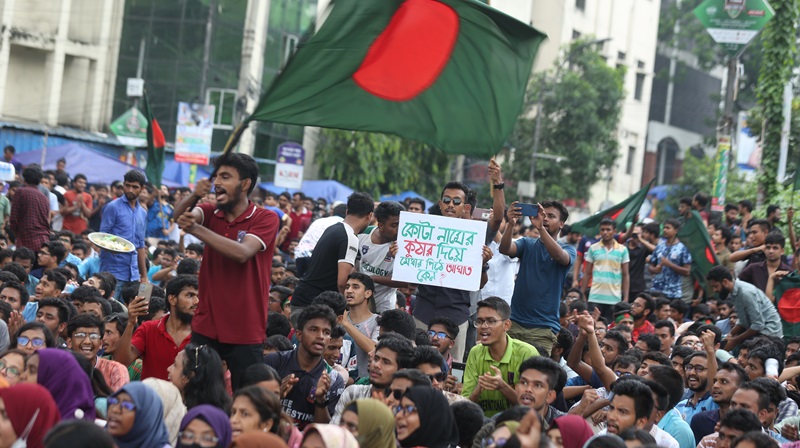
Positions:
{"x": 58, "y": 61}
{"x": 632, "y": 29}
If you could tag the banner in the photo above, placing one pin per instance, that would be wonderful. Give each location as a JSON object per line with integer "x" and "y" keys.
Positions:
{"x": 289, "y": 166}
{"x": 439, "y": 251}
{"x": 721, "y": 173}
{"x": 193, "y": 134}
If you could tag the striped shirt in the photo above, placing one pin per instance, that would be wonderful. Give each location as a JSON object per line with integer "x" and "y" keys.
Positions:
{"x": 607, "y": 272}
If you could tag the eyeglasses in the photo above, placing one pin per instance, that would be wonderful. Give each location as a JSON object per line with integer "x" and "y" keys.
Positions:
{"x": 404, "y": 409}
{"x": 204, "y": 440}
{"x": 691, "y": 344}
{"x": 487, "y": 323}
{"x": 397, "y": 394}
{"x": 128, "y": 406}
{"x": 43, "y": 253}
{"x": 621, "y": 374}
{"x": 491, "y": 441}
{"x": 438, "y": 334}
{"x": 23, "y": 341}
{"x": 439, "y": 377}
{"x": 456, "y": 201}
{"x": 696, "y": 368}
{"x": 11, "y": 372}
{"x": 92, "y": 336}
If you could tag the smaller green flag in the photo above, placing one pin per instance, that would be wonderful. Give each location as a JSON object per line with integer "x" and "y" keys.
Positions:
{"x": 694, "y": 235}
{"x": 622, "y": 213}
{"x": 155, "y": 147}
{"x": 787, "y": 299}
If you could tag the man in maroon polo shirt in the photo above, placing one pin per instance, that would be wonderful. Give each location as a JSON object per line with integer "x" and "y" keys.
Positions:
{"x": 237, "y": 263}
{"x": 158, "y": 342}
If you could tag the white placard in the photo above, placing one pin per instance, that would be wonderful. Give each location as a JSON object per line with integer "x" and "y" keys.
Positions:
{"x": 135, "y": 87}
{"x": 288, "y": 175}
{"x": 439, "y": 251}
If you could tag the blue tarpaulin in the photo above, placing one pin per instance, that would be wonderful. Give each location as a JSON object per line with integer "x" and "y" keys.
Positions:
{"x": 405, "y": 195}
{"x": 330, "y": 190}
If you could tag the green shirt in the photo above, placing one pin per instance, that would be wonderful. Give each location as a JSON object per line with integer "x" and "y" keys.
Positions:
{"x": 479, "y": 362}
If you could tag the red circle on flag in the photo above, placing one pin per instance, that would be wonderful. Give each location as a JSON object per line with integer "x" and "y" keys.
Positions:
{"x": 709, "y": 255}
{"x": 410, "y": 54}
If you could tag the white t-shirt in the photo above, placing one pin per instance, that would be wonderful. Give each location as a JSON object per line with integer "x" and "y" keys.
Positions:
{"x": 313, "y": 234}
{"x": 502, "y": 271}
{"x": 376, "y": 261}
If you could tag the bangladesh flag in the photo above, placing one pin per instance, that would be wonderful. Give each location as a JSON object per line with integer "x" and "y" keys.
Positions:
{"x": 449, "y": 73}
{"x": 787, "y": 299}
{"x": 694, "y": 235}
{"x": 622, "y": 213}
{"x": 155, "y": 147}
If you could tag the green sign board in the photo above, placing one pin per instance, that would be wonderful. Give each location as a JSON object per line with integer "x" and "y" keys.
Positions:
{"x": 131, "y": 128}
{"x": 734, "y": 23}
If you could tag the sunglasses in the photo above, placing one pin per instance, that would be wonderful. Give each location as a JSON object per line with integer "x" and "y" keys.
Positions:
{"x": 125, "y": 405}
{"x": 397, "y": 394}
{"x": 23, "y": 341}
{"x": 439, "y": 377}
{"x": 11, "y": 372}
{"x": 456, "y": 201}
{"x": 438, "y": 334}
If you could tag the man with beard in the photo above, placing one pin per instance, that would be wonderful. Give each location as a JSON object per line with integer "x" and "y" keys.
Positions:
{"x": 631, "y": 406}
{"x": 755, "y": 312}
{"x": 540, "y": 380}
{"x": 158, "y": 342}
{"x": 393, "y": 353}
{"x": 378, "y": 249}
{"x": 641, "y": 309}
{"x": 699, "y": 366}
{"x": 310, "y": 388}
{"x": 78, "y": 206}
{"x": 728, "y": 378}
{"x": 239, "y": 240}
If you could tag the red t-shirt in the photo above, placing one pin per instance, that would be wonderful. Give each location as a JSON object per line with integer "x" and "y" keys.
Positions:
{"x": 300, "y": 223}
{"x": 156, "y": 348}
{"x": 74, "y": 222}
{"x": 646, "y": 328}
{"x": 234, "y": 297}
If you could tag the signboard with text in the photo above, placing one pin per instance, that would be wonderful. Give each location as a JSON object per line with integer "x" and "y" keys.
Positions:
{"x": 194, "y": 132}
{"x": 439, "y": 251}
{"x": 734, "y": 23}
{"x": 131, "y": 128}
{"x": 289, "y": 166}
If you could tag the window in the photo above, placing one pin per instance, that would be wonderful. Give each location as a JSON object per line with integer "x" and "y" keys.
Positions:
{"x": 637, "y": 92}
{"x": 580, "y": 4}
{"x": 621, "y": 55}
{"x": 289, "y": 45}
{"x": 224, "y": 101}
{"x": 576, "y": 34}
{"x": 631, "y": 156}
{"x": 640, "y": 65}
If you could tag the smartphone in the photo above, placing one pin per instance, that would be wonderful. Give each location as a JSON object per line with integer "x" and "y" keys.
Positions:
{"x": 481, "y": 213}
{"x": 146, "y": 291}
{"x": 458, "y": 371}
{"x": 529, "y": 209}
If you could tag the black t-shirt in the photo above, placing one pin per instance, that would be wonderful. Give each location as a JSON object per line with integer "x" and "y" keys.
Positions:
{"x": 337, "y": 243}
{"x": 638, "y": 261}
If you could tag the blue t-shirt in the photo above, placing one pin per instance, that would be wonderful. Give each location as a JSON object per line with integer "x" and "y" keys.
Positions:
{"x": 540, "y": 281}
{"x": 668, "y": 281}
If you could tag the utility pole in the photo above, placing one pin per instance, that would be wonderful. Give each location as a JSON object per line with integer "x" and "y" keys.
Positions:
{"x": 251, "y": 71}
{"x": 139, "y": 69}
{"x": 724, "y": 136}
{"x": 212, "y": 6}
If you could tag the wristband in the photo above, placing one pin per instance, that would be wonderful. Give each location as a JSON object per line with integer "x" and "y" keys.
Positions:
{"x": 499, "y": 186}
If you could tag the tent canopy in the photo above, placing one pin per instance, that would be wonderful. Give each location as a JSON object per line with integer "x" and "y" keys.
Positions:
{"x": 96, "y": 166}
{"x": 330, "y": 190}
{"x": 405, "y": 195}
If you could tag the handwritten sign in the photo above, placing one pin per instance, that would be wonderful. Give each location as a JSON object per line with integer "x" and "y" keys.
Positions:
{"x": 440, "y": 251}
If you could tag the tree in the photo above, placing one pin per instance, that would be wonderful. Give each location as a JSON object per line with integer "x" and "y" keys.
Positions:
{"x": 582, "y": 103}
{"x": 779, "y": 38}
{"x": 379, "y": 163}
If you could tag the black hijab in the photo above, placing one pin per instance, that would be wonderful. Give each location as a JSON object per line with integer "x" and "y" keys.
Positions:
{"x": 437, "y": 423}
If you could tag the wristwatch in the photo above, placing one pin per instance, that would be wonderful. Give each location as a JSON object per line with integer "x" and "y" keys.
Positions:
{"x": 499, "y": 186}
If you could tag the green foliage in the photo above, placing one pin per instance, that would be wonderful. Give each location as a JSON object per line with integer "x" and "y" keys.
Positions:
{"x": 582, "y": 101}
{"x": 379, "y": 163}
{"x": 779, "y": 53}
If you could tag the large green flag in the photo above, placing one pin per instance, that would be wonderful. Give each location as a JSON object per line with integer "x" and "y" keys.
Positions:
{"x": 694, "y": 235}
{"x": 449, "y": 73}
{"x": 622, "y": 213}
{"x": 155, "y": 147}
{"x": 787, "y": 300}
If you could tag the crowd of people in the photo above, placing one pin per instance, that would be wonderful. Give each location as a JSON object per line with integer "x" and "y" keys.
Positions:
{"x": 239, "y": 317}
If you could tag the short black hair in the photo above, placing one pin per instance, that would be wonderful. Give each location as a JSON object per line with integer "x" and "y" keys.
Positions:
{"x": 332, "y": 300}
{"x": 608, "y": 222}
{"x": 398, "y": 321}
{"x": 456, "y": 186}
{"x": 726, "y": 234}
{"x": 616, "y": 336}
{"x": 775, "y": 238}
{"x": 701, "y": 198}
{"x": 652, "y": 341}
{"x": 719, "y": 274}
{"x": 316, "y": 312}
{"x": 731, "y": 206}
{"x": 82, "y": 292}
{"x": 32, "y": 174}
{"x": 195, "y": 247}
{"x": 17, "y": 271}
{"x": 450, "y": 327}
{"x": 427, "y": 355}
{"x": 745, "y": 203}
{"x": 6, "y": 276}
{"x": 469, "y": 419}
{"x": 188, "y": 266}
{"x": 416, "y": 377}
{"x": 135, "y": 176}
{"x": 338, "y": 332}
{"x": 259, "y": 372}
{"x": 365, "y": 280}
{"x": 665, "y": 324}
{"x": 562, "y": 210}
{"x": 627, "y": 361}
{"x": 763, "y": 394}
{"x": 360, "y": 204}
{"x": 640, "y": 435}
{"x": 278, "y": 324}
{"x": 389, "y": 209}
{"x": 85, "y": 320}
{"x": 651, "y": 227}
{"x": 401, "y": 346}
{"x": 278, "y": 342}
{"x": 176, "y": 285}
{"x": 685, "y": 200}
{"x": 771, "y": 208}
{"x": 639, "y": 392}
{"x": 673, "y": 222}
{"x": 24, "y": 253}
{"x": 765, "y": 352}
{"x": 671, "y": 380}
{"x": 556, "y": 377}
{"x": 23, "y": 291}
{"x": 65, "y": 310}
{"x": 56, "y": 277}
{"x": 245, "y": 166}
{"x": 757, "y": 438}
{"x": 105, "y": 305}
{"x": 421, "y": 338}
{"x": 417, "y": 200}
{"x": 712, "y": 328}
{"x": 658, "y": 357}
{"x": 735, "y": 368}
{"x": 108, "y": 283}
{"x": 741, "y": 419}
{"x": 564, "y": 340}
{"x": 497, "y": 304}
{"x": 679, "y": 306}
{"x": 283, "y": 292}
{"x": 57, "y": 249}
{"x": 762, "y": 223}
